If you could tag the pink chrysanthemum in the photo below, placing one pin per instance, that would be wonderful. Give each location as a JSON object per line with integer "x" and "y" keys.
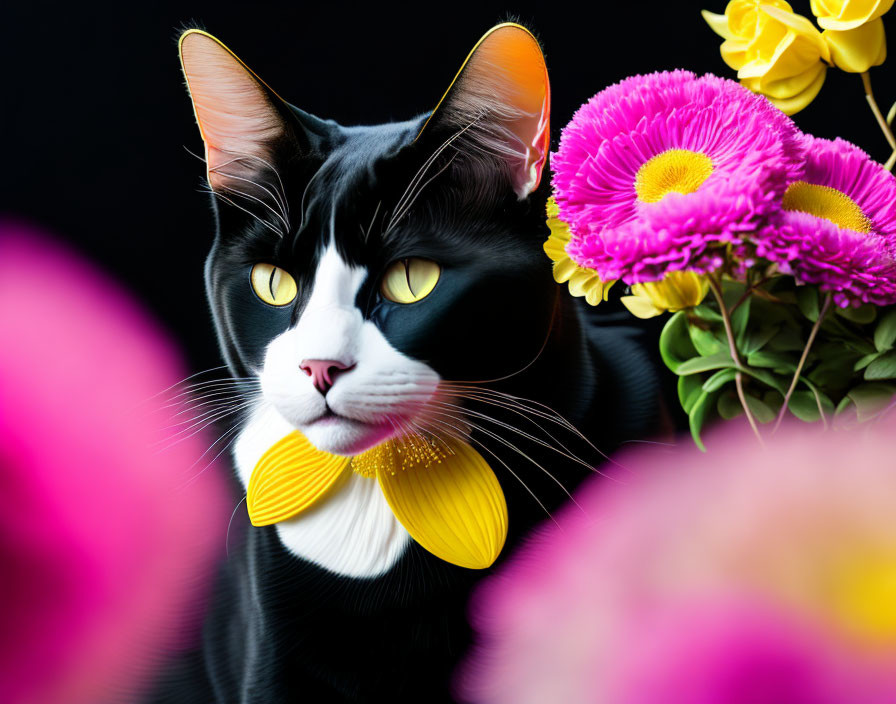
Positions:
{"x": 739, "y": 575}
{"x": 655, "y": 173}
{"x": 838, "y": 226}
{"x": 107, "y": 538}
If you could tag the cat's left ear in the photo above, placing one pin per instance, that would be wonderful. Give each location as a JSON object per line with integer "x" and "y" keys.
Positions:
{"x": 500, "y": 101}
{"x": 240, "y": 118}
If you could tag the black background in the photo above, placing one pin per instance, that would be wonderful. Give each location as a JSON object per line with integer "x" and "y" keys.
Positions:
{"x": 96, "y": 118}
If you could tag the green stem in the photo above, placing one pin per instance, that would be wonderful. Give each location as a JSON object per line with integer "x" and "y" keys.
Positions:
{"x": 888, "y": 133}
{"x": 799, "y": 367}
{"x": 732, "y": 347}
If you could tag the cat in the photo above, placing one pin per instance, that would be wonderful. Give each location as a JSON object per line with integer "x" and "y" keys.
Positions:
{"x": 318, "y": 226}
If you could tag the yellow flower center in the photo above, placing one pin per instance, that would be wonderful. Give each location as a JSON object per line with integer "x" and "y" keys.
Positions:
{"x": 673, "y": 171}
{"x": 828, "y": 203}
{"x": 398, "y": 455}
{"x": 864, "y": 597}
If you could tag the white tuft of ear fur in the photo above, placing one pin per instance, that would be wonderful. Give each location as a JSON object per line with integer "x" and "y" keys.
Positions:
{"x": 502, "y": 95}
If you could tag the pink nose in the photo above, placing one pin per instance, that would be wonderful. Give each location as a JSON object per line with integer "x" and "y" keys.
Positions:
{"x": 323, "y": 372}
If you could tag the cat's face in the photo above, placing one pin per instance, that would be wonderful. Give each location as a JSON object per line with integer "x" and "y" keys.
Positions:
{"x": 356, "y": 269}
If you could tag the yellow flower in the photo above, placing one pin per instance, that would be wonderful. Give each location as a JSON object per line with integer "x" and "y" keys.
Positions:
{"x": 442, "y": 491}
{"x": 582, "y": 281}
{"x": 679, "y": 289}
{"x": 775, "y": 52}
{"x": 854, "y": 31}
{"x": 841, "y": 15}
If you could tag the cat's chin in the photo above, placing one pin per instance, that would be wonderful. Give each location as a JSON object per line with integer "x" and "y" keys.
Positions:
{"x": 339, "y": 435}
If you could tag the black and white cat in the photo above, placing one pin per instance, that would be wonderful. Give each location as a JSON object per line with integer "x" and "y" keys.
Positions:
{"x": 318, "y": 226}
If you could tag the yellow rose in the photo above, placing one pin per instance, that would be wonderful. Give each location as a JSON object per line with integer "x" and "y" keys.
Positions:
{"x": 775, "y": 52}
{"x": 854, "y": 32}
{"x": 841, "y": 15}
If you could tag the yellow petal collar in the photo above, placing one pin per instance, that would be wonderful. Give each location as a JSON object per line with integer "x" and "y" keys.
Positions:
{"x": 442, "y": 491}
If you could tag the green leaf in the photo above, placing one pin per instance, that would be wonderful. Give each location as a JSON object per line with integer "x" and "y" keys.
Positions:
{"x": 706, "y": 342}
{"x": 773, "y": 360}
{"x": 728, "y": 405}
{"x": 675, "y": 342}
{"x": 865, "y": 361}
{"x": 697, "y": 417}
{"x": 857, "y": 344}
{"x": 719, "y": 379}
{"x": 885, "y": 332}
{"x": 807, "y": 300}
{"x": 689, "y": 389}
{"x": 732, "y": 291}
{"x": 872, "y": 398}
{"x": 766, "y": 378}
{"x": 788, "y": 339}
{"x": 755, "y": 340}
{"x": 739, "y": 320}
{"x": 884, "y": 367}
{"x": 820, "y": 398}
{"x": 804, "y": 406}
{"x": 773, "y": 399}
{"x": 862, "y": 315}
{"x": 761, "y": 412}
{"x": 845, "y": 403}
{"x": 710, "y": 315}
{"x": 835, "y": 368}
{"x": 704, "y": 364}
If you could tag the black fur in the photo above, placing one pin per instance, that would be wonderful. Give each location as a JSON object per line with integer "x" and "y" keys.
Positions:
{"x": 280, "y": 629}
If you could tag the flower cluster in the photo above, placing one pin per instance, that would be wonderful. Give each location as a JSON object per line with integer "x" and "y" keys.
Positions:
{"x": 671, "y": 172}
{"x": 679, "y": 185}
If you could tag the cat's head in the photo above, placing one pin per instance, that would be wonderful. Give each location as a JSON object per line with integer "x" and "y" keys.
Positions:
{"x": 357, "y": 269}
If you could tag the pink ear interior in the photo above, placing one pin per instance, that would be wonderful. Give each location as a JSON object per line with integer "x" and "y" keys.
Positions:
{"x": 233, "y": 107}
{"x": 503, "y": 89}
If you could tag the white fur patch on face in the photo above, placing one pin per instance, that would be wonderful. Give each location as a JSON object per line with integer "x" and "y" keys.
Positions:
{"x": 381, "y": 388}
{"x": 352, "y": 530}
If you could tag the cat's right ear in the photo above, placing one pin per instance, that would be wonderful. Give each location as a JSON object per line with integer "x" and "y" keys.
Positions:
{"x": 240, "y": 118}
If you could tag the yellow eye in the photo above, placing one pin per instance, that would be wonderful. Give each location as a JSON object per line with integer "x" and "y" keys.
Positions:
{"x": 273, "y": 285}
{"x": 409, "y": 280}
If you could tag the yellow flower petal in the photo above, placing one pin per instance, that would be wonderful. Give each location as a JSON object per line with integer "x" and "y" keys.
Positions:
{"x": 554, "y": 248}
{"x": 597, "y": 291}
{"x": 289, "y": 478}
{"x": 564, "y": 269}
{"x": 788, "y": 88}
{"x": 677, "y": 290}
{"x": 857, "y": 50}
{"x": 579, "y": 281}
{"x": 717, "y": 23}
{"x": 454, "y": 508}
{"x": 641, "y": 307}
{"x": 775, "y": 51}
{"x": 582, "y": 281}
{"x": 843, "y": 15}
{"x": 793, "y": 104}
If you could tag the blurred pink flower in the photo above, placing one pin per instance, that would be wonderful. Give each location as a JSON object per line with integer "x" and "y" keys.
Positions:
{"x": 104, "y": 541}
{"x": 739, "y": 575}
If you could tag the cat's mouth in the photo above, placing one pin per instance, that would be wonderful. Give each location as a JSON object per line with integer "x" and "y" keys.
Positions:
{"x": 341, "y": 435}
{"x": 327, "y": 417}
